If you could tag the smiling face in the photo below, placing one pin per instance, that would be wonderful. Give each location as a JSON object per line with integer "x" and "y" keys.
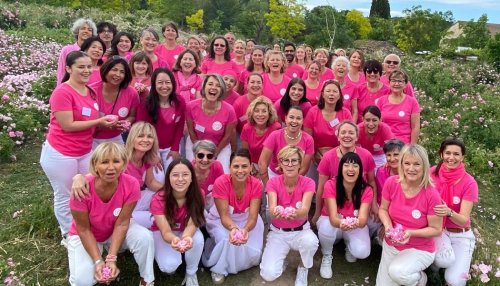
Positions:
{"x": 148, "y": 42}
{"x": 322, "y": 58}
{"x": 110, "y": 168}
{"x": 254, "y": 85}
{"x": 413, "y": 169}
{"x": 213, "y": 89}
{"x": 340, "y": 69}
{"x": 204, "y": 159}
{"x": 392, "y": 158}
{"x": 294, "y": 120}
{"x": 314, "y": 71}
{"x": 240, "y": 169}
{"x": 194, "y": 45}
{"x": 300, "y": 53}
{"x": 452, "y": 156}
{"x": 163, "y": 85}
{"x": 257, "y": 57}
{"x": 391, "y": 63}
{"x": 350, "y": 172}
{"x": 275, "y": 63}
{"x": 140, "y": 68}
{"x": 170, "y": 33}
{"x": 260, "y": 114}
{"x": 230, "y": 38}
{"x": 239, "y": 49}
{"x": 180, "y": 178}
{"x": 331, "y": 94}
{"x": 296, "y": 93}
{"x": 219, "y": 47}
{"x": 144, "y": 141}
{"x": 347, "y": 135}
{"x": 397, "y": 84}
{"x": 309, "y": 52}
{"x": 372, "y": 76}
{"x": 124, "y": 44}
{"x": 187, "y": 63}
{"x": 250, "y": 46}
{"x": 80, "y": 70}
{"x": 95, "y": 51}
{"x": 116, "y": 75}
{"x": 355, "y": 60}
{"x": 371, "y": 123}
{"x": 84, "y": 32}
{"x": 230, "y": 82}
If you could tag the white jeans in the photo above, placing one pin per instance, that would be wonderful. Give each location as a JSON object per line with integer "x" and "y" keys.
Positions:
{"x": 454, "y": 252}
{"x": 117, "y": 139}
{"x": 169, "y": 259}
{"x": 138, "y": 240}
{"x": 402, "y": 267}
{"x": 60, "y": 170}
{"x": 356, "y": 240}
{"x": 223, "y": 156}
{"x": 279, "y": 244}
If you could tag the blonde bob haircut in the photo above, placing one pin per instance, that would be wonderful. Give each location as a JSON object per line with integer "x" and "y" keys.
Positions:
{"x": 270, "y": 107}
{"x": 145, "y": 128}
{"x": 420, "y": 153}
{"x": 105, "y": 150}
{"x": 321, "y": 50}
{"x": 274, "y": 52}
{"x": 288, "y": 151}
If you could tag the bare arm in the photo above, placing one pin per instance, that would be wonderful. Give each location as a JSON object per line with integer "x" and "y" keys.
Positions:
{"x": 322, "y": 179}
{"x": 151, "y": 182}
{"x": 265, "y": 158}
{"x": 458, "y": 218}
{"x": 415, "y": 127}
{"x": 68, "y": 124}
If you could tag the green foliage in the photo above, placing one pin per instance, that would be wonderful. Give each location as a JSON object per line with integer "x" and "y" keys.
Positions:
{"x": 252, "y": 23}
{"x": 326, "y": 27}
{"x": 382, "y": 30}
{"x": 380, "y": 9}
{"x": 285, "y": 18}
{"x": 362, "y": 26}
{"x": 475, "y": 34}
{"x": 6, "y": 147}
{"x": 10, "y": 19}
{"x": 195, "y": 21}
{"x": 492, "y": 51}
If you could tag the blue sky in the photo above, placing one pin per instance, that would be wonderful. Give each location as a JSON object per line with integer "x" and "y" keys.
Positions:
{"x": 463, "y": 10}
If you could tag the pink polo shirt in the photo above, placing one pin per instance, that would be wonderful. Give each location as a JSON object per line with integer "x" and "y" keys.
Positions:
{"x": 157, "y": 207}
{"x": 361, "y": 79}
{"x": 374, "y": 143}
{"x": 223, "y": 189}
{"x": 84, "y": 108}
{"x": 208, "y": 66}
{"x": 216, "y": 170}
{"x": 126, "y": 102}
{"x": 329, "y": 165}
{"x": 211, "y": 127}
{"x": 169, "y": 55}
{"x": 294, "y": 70}
{"x": 327, "y": 75}
{"x": 231, "y": 97}
{"x": 323, "y": 131}
{"x": 367, "y": 98}
{"x": 139, "y": 173}
{"x": 411, "y": 213}
{"x": 313, "y": 94}
{"x": 349, "y": 92}
{"x": 330, "y": 192}
{"x": 103, "y": 215}
{"x": 254, "y": 141}
{"x": 61, "y": 62}
{"x": 187, "y": 87}
{"x": 408, "y": 88}
{"x": 306, "y": 106}
{"x": 276, "y": 141}
{"x": 293, "y": 199}
{"x": 274, "y": 91}
{"x": 240, "y": 109}
{"x": 398, "y": 116}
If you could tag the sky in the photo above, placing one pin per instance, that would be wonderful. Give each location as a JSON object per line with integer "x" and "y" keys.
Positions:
{"x": 463, "y": 10}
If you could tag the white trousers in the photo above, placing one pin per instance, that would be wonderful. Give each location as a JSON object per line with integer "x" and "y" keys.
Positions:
{"x": 356, "y": 240}
{"x": 454, "y": 252}
{"x": 169, "y": 259}
{"x": 279, "y": 243}
{"x": 138, "y": 240}
{"x": 223, "y": 157}
{"x": 117, "y": 139}
{"x": 402, "y": 267}
{"x": 60, "y": 170}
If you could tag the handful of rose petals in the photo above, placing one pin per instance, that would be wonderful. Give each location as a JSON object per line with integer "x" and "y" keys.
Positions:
{"x": 111, "y": 118}
{"x": 183, "y": 245}
{"x": 238, "y": 236}
{"x": 285, "y": 212}
{"x": 106, "y": 273}
{"x": 396, "y": 233}
{"x": 124, "y": 124}
{"x": 349, "y": 221}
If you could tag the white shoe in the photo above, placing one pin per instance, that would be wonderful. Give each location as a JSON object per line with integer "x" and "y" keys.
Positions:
{"x": 349, "y": 257}
{"x": 423, "y": 279}
{"x": 190, "y": 280}
{"x": 301, "y": 279}
{"x": 217, "y": 278}
{"x": 64, "y": 241}
{"x": 325, "y": 270}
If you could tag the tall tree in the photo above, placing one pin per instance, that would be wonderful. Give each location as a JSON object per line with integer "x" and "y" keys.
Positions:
{"x": 476, "y": 34}
{"x": 380, "y": 9}
{"x": 327, "y": 27}
{"x": 285, "y": 18}
{"x": 362, "y": 25}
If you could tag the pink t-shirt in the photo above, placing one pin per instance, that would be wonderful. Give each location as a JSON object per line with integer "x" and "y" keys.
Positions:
{"x": 330, "y": 192}
{"x": 240, "y": 109}
{"x": 103, "y": 215}
{"x": 242, "y": 79}
{"x": 383, "y": 173}
{"x": 294, "y": 70}
{"x": 216, "y": 170}
{"x": 95, "y": 76}
{"x": 294, "y": 199}
{"x": 361, "y": 79}
{"x": 323, "y": 131}
{"x": 126, "y": 102}
{"x": 329, "y": 165}
{"x": 367, "y": 98}
{"x": 408, "y": 88}
{"x": 223, "y": 189}
{"x": 276, "y": 141}
{"x": 170, "y": 124}
{"x": 157, "y": 207}
{"x": 398, "y": 116}
{"x": 231, "y": 97}
{"x": 256, "y": 142}
{"x": 349, "y": 92}
{"x": 327, "y": 75}
{"x": 306, "y": 106}
{"x": 65, "y": 98}
{"x": 159, "y": 63}
{"x": 374, "y": 144}
{"x": 208, "y": 66}
{"x": 139, "y": 173}
{"x": 61, "y": 62}
{"x": 211, "y": 127}
{"x": 169, "y": 56}
{"x": 410, "y": 213}
{"x": 274, "y": 91}
{"x": 239, "y": 67}
{"x": 136, "y": 82}
{"x": 187, "y": 87}
{"x": 313, "y": 94}
{"x": 465, "y": 189}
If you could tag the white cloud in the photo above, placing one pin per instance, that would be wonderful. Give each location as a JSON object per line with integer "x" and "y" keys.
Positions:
{"x": 397, "y": 14}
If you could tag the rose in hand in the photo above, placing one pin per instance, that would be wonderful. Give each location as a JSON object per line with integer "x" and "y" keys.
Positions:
{"x": 396, "y": 234}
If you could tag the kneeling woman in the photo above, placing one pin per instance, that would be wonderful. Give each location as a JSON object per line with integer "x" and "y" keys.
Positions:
{"x": 234, "y": 224}
{"x": 102, "y": 219}
{"x": 289, "y": 196}
{"x": 178, "y": 214}
{"x": 346, "y": 211}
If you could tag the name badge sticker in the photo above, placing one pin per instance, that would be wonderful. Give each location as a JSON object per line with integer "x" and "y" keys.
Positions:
{"x": 200, "y": 128}
{"x": 334, "y": 122}
{"x": 86, "y": 111}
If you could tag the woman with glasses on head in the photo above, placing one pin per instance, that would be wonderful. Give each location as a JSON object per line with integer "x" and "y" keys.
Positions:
{"x": 169, "y": 51}
{"x": 322, "y": 56}
{"x": 399, "y": 110}
{"x": 149, "y": 41}
{"x": 373, "y": 88}
{"x": 218, "y": 58}
{"x": 392, "y": 62}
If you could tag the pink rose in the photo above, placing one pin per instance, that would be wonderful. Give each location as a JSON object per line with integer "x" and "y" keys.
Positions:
{"x": 238, "y": 236}
{"x": 106, "y": 273}
{"x": 111, "y": 118}
{"x": 396, "y": 233}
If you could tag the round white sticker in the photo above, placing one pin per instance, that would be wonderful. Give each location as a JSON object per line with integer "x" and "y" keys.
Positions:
{"x": 176, "y": 56}
{"x": 117, "y": 211}
{"x": 416, "y": 214}
{"x": 456, "y": 200}
{"x": 298, "y": 205}
{"x": 401, "y": 113}
{"x": 216, "y": 126}
{"x": 96, "y": 106}
{"x": 210, "y": 187}
{"x": 294, "y": 75}
{"x": 193, "y": 90}
{"x": 282, "y": 91}
{"x": 376, "y": 147}
{"x": 346, "y": 96}
{"x": 123, "y": 112}
{"x": 356, "y": 213}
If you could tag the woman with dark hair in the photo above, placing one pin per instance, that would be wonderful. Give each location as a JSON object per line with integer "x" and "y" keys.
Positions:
{"x": 373, "y": 88}
{"x": 218, "y": 58}
{"x": 235, "y": 227}
{"x": 254, "y": 89}
{"x": 459, "y": 192}
{"x": 187, "y": 75}
{"x": 356, "y": 64}
{"x": 141, "y": 68}
{"x": 178, "y": 214}
{"x": 170, "y": 50}
{"x": 255, "y": 65}
{"x": 116, "y": 99}
{"x": 122, "y": 45}
{"x": 274, "y": 79}
{"x": 345, "y": 213}
{"x": 166, "y": 112}
{"x": 106, "y": 32}
{"x": 149, "y": 41}
{"x": 95, "y": 48}
{"x": 295, "y": 95}
{"x": 249, "y": 46}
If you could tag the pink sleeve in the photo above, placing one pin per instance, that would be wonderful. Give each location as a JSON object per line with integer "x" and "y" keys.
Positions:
{"x": 355, "y": 93}
{"x": 309, "y": 121}
{"x": 142, "y": 114}
{"x": 367, "y": 196}
{"x": 232, "y": 115}
{"x": 370, "y": 166}
{"x": 221, "y": 188}
{"x": 61, "y": 100}
{"x": 245, "y": 133}
{"x": 387, "y": 131}
{"x": 61, "y": 64}
{"x": 309, "y": 185}
{"x": 323, "y": 166}
{"x": 271, "y": 141}
{"x": 80, "y": 206}
{"x": 434, "y": 200}
{"x": 471, "y": 190}
{"x": 415, "y": 106}
{"x": 309, "y": 150}
{"x": 388, "y": 188}
{"x": 272, "y": 185}
{"x": 218, "y": 170}
{"x": 256, "y": 186}
{"x": 179, "y": 126}
{"x": 204, "y": 67}
{"x": 135, "y": 100}
{"x": 157, "y": 206}
{"x": 330, "y": 190}
{"x": 189, "y": 110}
{"x": 133, "y": 190}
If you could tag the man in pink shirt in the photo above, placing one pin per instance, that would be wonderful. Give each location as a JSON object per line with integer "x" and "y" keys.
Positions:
{"x": 292, "y": 70}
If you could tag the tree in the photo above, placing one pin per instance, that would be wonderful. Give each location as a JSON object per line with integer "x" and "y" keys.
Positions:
{"x": 195, "y": 21}
{"x": 285, "y": 18}
{"x": 492, "y": 51}
{"x": 380, "y": 9}
{"x": 361, "y": 24}
{"x": 475, "y": 34}
{"x": 382, "y": 29}
{"x": 174, "y": 10}
{"x": 251, "y": 22}
{"x": 327, "y": 27}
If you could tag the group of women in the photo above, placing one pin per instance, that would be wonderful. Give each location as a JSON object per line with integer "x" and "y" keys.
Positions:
{"x": 174, "y": 163}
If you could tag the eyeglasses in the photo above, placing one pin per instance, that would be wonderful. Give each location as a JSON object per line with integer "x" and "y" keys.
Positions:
{"x": 398, "y": 81}
{"x": 392, "y": 62}
{"x": 209, "y": 156}
{"x": 220, "y": 45}
{"x": 107, "y": 31}
{"x": 290, "y": 162}
{"x": 372, "y": 71}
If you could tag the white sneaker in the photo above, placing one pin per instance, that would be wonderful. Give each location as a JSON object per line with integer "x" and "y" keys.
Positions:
{"x": 349, "y": 257}
{"x": 423, "y": 279}
{"x": 64, "y": 241}
{"x": 325, "y": 270}
{"x": 217, "y": 278}
{"x": 301, "y": 279}
{"x": 190, "y": 280}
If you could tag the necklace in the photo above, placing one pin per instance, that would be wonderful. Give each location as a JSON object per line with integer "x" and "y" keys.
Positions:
{"x": 293, "y": 138}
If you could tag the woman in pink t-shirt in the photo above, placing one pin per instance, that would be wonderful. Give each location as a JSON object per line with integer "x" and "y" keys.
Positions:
{"x": 372, "y": 89}
{"x": 231, "y": 80}
{"x": 392, "y": 62}
{"x": 274, "y": 79}
{"x": 211, "y": 118}
{"x": 103, "y": 219}
{"x": 239, "y": 56}
{"x": 235, "y": 227}
{"x": 355, "y": 75}
{"x": 459, "y": 192}
{"x": 73, "y": 119}
{"x": 289, "y": 196}
{"x": 349, "y": 90}
{"x": 187, "y": 76}
{"x": 409, "y": 220}
{"x": 400, "y": 111}
{"x": 254, "y": 84}
{"x": 321, "y": 55}
{"x": 122, "y": 45}
{"x": 194, "y": 44}
{"x": 313, "y": 84}
{"x": 254, "y": 65}
{"x": 169, "y": 50}
{"x": 218, "y": 58}
{"x": 95, "y": 48}
{"x": 295, "y": 95}
{"x": 345, "y": 214}
{"x": 300, "y": 57}
{"x": 141, "y": 69}
{"x": 178, "y": 215}
{"x": 149, "y": 41}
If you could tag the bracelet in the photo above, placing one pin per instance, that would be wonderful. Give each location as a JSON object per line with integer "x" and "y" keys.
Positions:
{"x": 111, "y": 258}
{"x": 233, "y": 227}
{"x": 97, "y": 262}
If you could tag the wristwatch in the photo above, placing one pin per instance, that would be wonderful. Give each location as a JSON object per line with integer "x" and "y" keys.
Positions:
{"x": 450, "y": 214}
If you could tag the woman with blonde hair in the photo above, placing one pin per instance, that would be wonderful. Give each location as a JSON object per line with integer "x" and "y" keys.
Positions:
{"x": 274, "y": 79}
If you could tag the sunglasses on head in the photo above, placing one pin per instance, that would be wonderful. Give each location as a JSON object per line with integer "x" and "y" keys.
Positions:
{"x": 392, "y": 62}
{"x": 209, "y": 156}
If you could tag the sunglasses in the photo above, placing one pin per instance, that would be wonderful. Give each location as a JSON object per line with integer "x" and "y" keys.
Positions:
{"x": 372, "y": 71}
{"x": 220, "y": 45}
{"x": 392, "y": 62}
{"x": 209, "y": 156}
